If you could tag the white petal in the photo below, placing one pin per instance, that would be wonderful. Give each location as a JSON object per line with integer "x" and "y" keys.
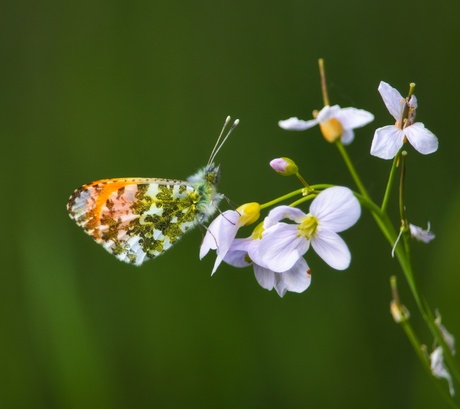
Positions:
{"x": 217, "y": 263}
{"x": 328, "y": 112}
{"x": 420, "y": 234}
{"x": 280, "y": 248}
{"x": 220, "y": 235}
{"x": 352, "y": 118}
{"x": 336, "y": 208}
{"x": 347, "y": 136}
{"x": 265, "y": 277}
{"x": 296, "y": 280}
{"x": 296, "y": 124}
{"x": 421, "y": 138}
{"x": 448, "y": 337}
{"x": 283, "y": 212}
{"x": 237, "y": 253}
{"x": 332, "y": 249}
{"x": 387, "y": 142}
{"x": 393, "y": 100}
{"x": 237, "y": 258}
{"x": 209, "y": 243}
{"x": 413, "y": 102}
{"x": 439, "y": 369}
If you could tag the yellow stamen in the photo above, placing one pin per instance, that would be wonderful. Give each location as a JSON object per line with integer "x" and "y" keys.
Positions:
{"x": 307, "y": 227}
{"x": 257, "y": 232}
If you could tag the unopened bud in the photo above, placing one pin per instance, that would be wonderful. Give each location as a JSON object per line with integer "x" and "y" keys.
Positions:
{"x": 284, "y": 166}
{"x": 249, "y": 212}
{"x": 399, "y": 312}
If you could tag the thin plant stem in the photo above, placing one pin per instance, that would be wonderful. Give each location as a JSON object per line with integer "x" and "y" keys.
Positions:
{"x": 282, "y": 198}
{"x": 322, "y": 74}
{"x": 402, "y": 184}
{"x": 351, "y": 168}
{"x": 391, "y": 178}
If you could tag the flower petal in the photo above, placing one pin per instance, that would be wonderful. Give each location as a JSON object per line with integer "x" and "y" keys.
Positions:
{"x": 209, "y": 243}
{"x": 421, "y": 138}
{"x": 237, "y": 253}
{"x": 438, "y": 368}
{"x": 220, "y": 235}
{"x": 265, "y": 277}
{"x": 297, "y": 279}
{"x": 347, "y": 137}
{"x": 328, "y": 112}
{"x": 296, "y": 124}
{"x": 352, "y": 118}
{"x": 387, "y": 142}
{"x": 336, "y": 208}
{"x": 283, "y": 212}
{"x": 332, "y": 249}
{"x": 280, "y": 248}
{"x": 393, "y": 100}
{"x": 420, "y": 234}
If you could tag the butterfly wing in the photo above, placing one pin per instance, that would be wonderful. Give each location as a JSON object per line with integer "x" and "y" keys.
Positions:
{"x": 135, "y": 219}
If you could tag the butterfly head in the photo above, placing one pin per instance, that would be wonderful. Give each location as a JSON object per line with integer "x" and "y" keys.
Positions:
{"x": 209, "y": 175}
{"x": 212, "y": 173}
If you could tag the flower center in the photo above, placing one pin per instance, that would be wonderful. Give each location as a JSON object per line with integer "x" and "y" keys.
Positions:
{"x": 308, "y": 226}
{"x": 331, "y": 129}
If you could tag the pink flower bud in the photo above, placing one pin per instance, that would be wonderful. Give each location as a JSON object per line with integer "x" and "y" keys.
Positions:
{"x": 284, "y": 166}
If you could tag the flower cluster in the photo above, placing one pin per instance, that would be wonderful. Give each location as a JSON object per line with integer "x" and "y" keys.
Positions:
{"x": 338, "y": 124}
{"x": 276, "y": 248}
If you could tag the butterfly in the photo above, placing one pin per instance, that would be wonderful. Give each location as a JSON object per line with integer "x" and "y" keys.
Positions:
{"x": 137, "y": 219}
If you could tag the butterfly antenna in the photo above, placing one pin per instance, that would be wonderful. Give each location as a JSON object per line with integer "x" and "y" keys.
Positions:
{"x": 219, "y": 144}
{"x": 213, "y": 153}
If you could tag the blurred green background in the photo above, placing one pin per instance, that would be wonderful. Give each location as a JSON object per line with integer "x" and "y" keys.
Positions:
{"x": 98, "y": 89}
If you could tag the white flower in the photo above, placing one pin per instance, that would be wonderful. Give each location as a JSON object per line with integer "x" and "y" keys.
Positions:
{"x": 222, "y": 231}
{"x": 220, "y": 235}
{"x": 389, "y": 139}
{"x": 282, "y": 245}
{"x": 335, "y": 122}
{"x": 439, "y": 370}
{"x": 296, "y": 279}
{"x": 421, "y": 235}
{"x": 448, "y": 337}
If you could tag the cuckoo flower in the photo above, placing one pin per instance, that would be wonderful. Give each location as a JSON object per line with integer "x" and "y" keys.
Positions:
{"x": 334, "y": 122}
{"x": 421, "y": 235}
{"x": 389, "y": 139}
{"x": 296, "y": 279}
{"x": 282, "y": 244}
{"x": 223, "y": 229}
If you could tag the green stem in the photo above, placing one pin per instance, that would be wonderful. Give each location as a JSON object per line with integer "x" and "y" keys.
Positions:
{"x": 409, "y": 331}
{"x": 322, "y": 74}
{"x": 391, "y": 178}
{"x": 303, "y": 191}
{"x": 402, "y": 184}
{"x": 351, "y": 168}
{"x": 282, "y": 198}
{"x": 402, "y": 252}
